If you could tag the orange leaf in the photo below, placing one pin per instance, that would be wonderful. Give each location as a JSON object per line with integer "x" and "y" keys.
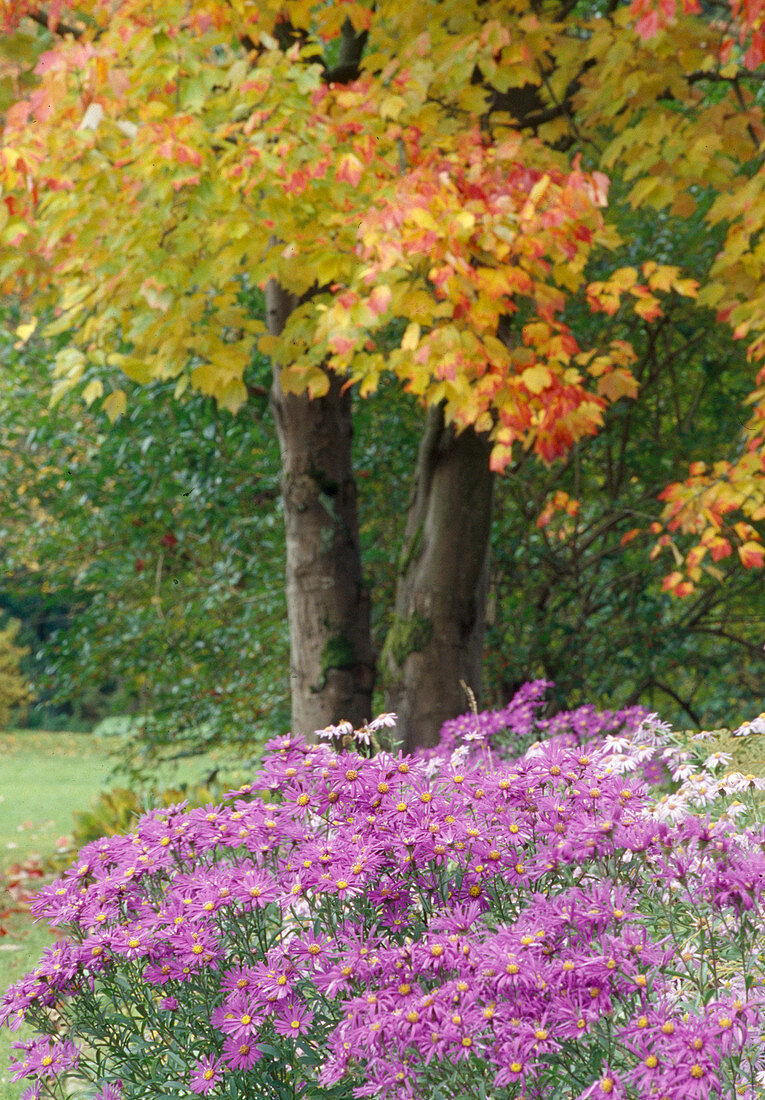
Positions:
{"x": 379, "y": 300}
{"x": 751, "y": 554}
{"x": 671, "y": 581}
{"x": 349, "y": 168}
{"x": 619, "y": 383}
{"x": 648, "y": 308}
{"x": 720, "y": 548}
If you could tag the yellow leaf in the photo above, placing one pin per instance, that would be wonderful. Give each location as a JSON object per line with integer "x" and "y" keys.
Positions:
{"x": 115, "y": 405}
{"x": 684, "y": 205}
{"x": 267, "y": 344}
{"x": 69, "y": 363}
{"x": 536, "y": 379}
{"x": 369, "y": 383}
{"x": 624, "y": 278}
{"x": 642, "y": 190}
{"x": 392, "y": 106}
{"x": 317, "y": 382}
{"x": 465, "y": 219}
{"x": 421, "y": 217}
{"x": 206, "y": 379}
{"x": 232, "y": 396}
{"x": 93, "y": 390}
{"x": 688, "y": 287}
{"x": 157, "y": 296}
{"x": 58, "y": 389}
{"x": 411, "y": 337}
{"x": 539, "y": 188}
{"x": 25, "y": 331}
{"x": 660, "y": 278}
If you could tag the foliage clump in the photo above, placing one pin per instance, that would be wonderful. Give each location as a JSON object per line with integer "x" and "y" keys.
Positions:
{"x": 14, "y": 689}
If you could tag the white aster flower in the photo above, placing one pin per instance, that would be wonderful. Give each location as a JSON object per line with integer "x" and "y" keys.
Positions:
{"x": 683, "y": 772}
{"x": 343, "y": 729}
{"x": 747, "y": 729}
{"x": 474, "y": 735}
{"x": 653, "y": 730}
{"x": 381, "y": 720}
{"x": 734, "y": 810}
{"x": 621, "y": 764}
{"x": 536, "y": 749}
{"x": 458, "y": 757}
{"x": 734, "y": 782}
{"x": 717, "y": 759}
{"x": 619, "y": 744}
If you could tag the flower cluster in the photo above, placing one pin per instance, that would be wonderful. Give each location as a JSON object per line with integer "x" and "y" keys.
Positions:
{"x": 410, "y": 926}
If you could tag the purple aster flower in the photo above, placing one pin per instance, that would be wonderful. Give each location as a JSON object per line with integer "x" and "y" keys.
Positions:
{"x": 44, "y": 1057}
{"x": 206, "y": 1074}
{"x": 237, "y": 1016}
{"x": 607, "y": 1087}
{"x": 240, "y": 1053}
{"x": 112, "y": 1090}
{"x": 294, "y": 1019}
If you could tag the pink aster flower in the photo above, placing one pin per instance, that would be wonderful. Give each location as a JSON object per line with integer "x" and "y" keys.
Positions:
{"x": 293, "y": 1019}
{"x": 237, "y": 1017}
{"x": 44, "y": 1057}
{"x": 239, "y": 1053}
{"x": 607, "y": 1087}
{"x": 110, "y": 1091}
{"x": 206, "y": 1074}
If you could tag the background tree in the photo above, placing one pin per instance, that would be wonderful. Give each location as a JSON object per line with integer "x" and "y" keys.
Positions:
{"x": 145, "y": 557}
{"x": 578, "y": 594}
{"x": 14, "y": 690}
{"x": 456, "y": 248}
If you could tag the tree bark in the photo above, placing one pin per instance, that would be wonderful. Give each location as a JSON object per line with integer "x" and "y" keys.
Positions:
{"x": 332, "y": 664}
{"x": 436, "y": 639}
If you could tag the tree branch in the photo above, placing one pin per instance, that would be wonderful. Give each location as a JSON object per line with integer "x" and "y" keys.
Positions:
{"x": 41, "y": 18}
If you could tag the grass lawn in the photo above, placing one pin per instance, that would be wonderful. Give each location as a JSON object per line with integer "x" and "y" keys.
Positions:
{"x": 44, "y": 778}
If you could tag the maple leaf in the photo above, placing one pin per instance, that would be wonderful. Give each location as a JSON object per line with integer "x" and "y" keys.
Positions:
{"x": 751, "y": 554}
{"x": 619, "y": 382}
{"x": 349, "y": 169}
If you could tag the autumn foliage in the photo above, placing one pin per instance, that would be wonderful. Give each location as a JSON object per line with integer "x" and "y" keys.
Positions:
{"x": 442, "y": 214}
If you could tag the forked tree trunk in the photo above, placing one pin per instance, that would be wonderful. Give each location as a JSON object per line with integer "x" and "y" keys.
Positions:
{"x": 436, "y": 639}
{"x": 331, "y": 657}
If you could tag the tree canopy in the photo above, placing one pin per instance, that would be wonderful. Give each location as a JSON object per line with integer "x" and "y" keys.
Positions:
{"x": 440, "y": 193}
{"x": 157, "y": 159}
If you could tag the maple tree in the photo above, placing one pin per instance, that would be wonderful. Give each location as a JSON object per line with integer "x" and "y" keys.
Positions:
{"x": 573, "y": 594}
{"x": 422, "y": 192}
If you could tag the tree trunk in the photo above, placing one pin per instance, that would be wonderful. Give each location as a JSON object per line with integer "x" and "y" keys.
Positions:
{"x": 331, "y": 657}
{"x": 436, "y": 639}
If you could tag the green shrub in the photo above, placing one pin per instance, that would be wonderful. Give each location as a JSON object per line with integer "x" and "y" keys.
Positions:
{"x": 14, "y": 689}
